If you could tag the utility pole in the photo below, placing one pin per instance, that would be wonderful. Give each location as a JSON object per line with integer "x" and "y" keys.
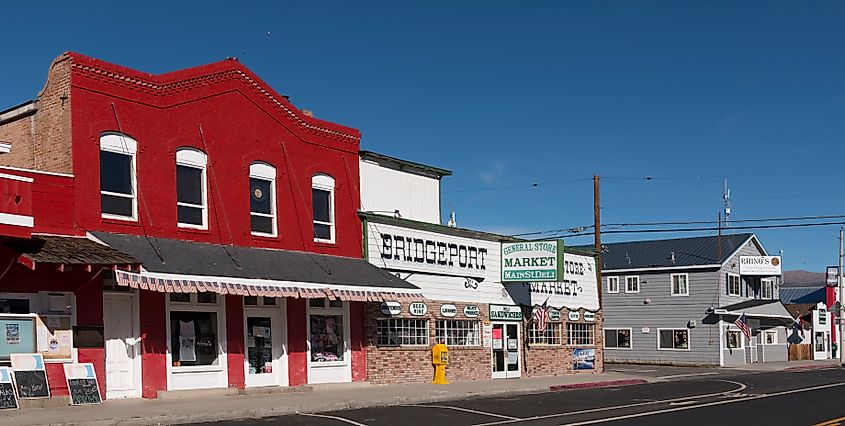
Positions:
{"x": 839, "y": 315}
{"x": 597, "y": 228}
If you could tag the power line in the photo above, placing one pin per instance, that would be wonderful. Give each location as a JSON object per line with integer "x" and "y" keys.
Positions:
{"x": 733, "y": 228}
{"x": 526, "y": 185}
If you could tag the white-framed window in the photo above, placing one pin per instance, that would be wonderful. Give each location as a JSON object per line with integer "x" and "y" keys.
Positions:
{"x": 322, "y": 203}
{"x": 632, "y": 284}
{"x": 734, "y": 285}
{"x": 551, "y": 336}
{"x": 260, "y": 301}
{"x": 680, "y": 284}
{"x": 458, "y": 332}
{"x": 673, "y": 339}
{"x": 613, "y": 284}
{"x": 196, "y": 330}
{"x": 118, "y": 181}
{"x": 328, "y": 331}
{"x": 191, "y": 188}
{"x": 580, "y": 334}
{"x": 262, "y": 199}
{"x": 770, "y": 337}
{"x": 402, "y": 332}
{"x": 734, "y": 339}
{"x": 617, "y": 338}
{"x": 767, "y": 289}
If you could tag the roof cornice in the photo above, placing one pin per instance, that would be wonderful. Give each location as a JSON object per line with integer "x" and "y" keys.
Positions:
{"x": 172, "y": 83}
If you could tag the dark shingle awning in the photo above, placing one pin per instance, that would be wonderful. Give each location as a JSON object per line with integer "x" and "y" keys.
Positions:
{"x": 184, "y": 266}
{"x": 69, "y": 251}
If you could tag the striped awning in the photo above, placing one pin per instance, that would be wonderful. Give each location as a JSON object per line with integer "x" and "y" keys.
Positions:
{"x": 176, "y": 284}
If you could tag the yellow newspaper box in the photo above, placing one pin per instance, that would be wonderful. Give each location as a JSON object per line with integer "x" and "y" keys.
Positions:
{"x": 440, "y": 359}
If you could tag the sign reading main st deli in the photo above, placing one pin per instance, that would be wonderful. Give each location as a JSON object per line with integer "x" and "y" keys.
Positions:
{"x": 759, "y": 265}
{"x": 505, "y": 313}
{"x": 532, "y": 261}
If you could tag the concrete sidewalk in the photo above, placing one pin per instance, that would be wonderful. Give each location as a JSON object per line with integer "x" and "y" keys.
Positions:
{"x": 788, "y": 365}
{"x": 321, "y": 398}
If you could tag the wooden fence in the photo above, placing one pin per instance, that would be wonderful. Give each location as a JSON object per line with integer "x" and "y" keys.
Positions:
{"x": 800, "y": 352}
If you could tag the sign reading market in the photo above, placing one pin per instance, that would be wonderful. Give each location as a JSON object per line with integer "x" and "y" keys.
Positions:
{"x": 532, "y": 261}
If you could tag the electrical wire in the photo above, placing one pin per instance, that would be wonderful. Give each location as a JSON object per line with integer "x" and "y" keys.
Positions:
{"x": 526, "y": 185}
{"x": 732, "y": 228}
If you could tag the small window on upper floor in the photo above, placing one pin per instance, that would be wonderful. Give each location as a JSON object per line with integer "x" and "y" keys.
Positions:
{"x": 613, "y": 284}
{"x": 767, "y": 289}
{"x": 680, "y": 284}
{"x": 262, "y": 199}
{"x": 117, "y": 177}
{"x": 632, "y": 284}
{"x": 191, "y": 188}
{"x": 322, "y": 200}
{"x": 733, "y": 284}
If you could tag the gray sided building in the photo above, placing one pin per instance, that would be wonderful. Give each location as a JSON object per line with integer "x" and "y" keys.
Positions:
{"x": 675, "y": 302}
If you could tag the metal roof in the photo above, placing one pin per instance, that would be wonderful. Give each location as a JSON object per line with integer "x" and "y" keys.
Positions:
{"x": 671, "y": 253}
{"x": 802, "y": 295}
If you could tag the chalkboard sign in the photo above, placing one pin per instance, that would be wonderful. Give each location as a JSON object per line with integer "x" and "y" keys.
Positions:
{"x": 32, "y": 383}
{"x": 8, "y": 398}
{"x": 84, "y": 391}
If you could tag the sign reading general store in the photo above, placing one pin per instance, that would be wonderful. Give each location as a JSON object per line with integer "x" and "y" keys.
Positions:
{"x": 532, "y": 261}
{"x": 505, "y": 313}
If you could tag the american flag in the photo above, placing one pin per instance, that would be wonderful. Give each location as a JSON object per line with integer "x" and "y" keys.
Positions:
{"x": 541, "y": 315}
{"x": 742, "y": 323}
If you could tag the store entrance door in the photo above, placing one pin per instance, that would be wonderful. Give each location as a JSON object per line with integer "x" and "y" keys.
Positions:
{"x": 123, "y": 358}
{"x": 506, "y": 350}
{"x": 265, "y": 359}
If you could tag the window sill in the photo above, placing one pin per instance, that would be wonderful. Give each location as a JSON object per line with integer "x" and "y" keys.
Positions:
{"x": 203, "y": 231}
{"x": 325, "y": 243}
{"x": 117, "y": 221}
{"x": 403, "y": 348}
{"x": 187, "y": 369}
{"x": 264, "y": 237}
{"x": 328, "y": 364}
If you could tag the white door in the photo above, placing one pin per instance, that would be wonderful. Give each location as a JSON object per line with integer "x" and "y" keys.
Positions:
{"x": 266, "y": 356}
{"x": 120, "y": 328}
{"x": 506, "y": 350}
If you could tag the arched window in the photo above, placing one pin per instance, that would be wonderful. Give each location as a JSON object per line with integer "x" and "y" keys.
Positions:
{"x": 118, "y": 186}
{"x": 262, "y": 199}
{"x": 322, "y": 203}
{"x": 191, "y": 188}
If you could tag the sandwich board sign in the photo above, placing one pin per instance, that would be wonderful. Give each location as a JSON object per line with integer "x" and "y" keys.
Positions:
{"x": 30, "y": 376}
{"x": 82, "y": 384}
{"x": 8, "y": 396}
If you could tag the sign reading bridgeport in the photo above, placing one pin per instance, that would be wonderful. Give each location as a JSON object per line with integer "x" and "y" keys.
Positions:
{"x": 532, "y": 261}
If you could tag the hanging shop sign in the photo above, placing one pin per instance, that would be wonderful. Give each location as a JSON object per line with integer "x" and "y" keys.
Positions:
{"x": 759, "y": 265}
{"x": 532, "y": 261}
{"x": 418, "y": 309}
{"x": 448, "y": 311}
{"x": 589, "y": 316}
{"x": 505, "y": 313}
{"x": 471, "y": 311}
{"x": 832, "y": 276}
{"x": 554, "y": 315}
{"x": 390, "y": 308}
{"x": 574, "y": 316}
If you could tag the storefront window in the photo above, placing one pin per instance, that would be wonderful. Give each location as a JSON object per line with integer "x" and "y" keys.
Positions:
{"x": 193, "y": 338}
{"x": 673, "y": 339}
{"x": 579, "y": 334}
{"x": 617, "y": 338}
{"x": 326, "y": 338}
{"x": 14, "y": 306}
{"x": 259, "y": 345}
{"x": 458, "y": 332}
{"x": 550, "y": 336}
{"x": 180, "y": 297}
{"x": 206, "y": 297}
{"x": 733, "y": 340}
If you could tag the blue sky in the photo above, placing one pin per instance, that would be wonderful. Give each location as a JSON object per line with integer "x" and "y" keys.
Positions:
{"x": 511, "y": 93}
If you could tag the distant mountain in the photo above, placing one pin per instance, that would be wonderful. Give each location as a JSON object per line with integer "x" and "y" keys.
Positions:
{"x": 802, "y": 278}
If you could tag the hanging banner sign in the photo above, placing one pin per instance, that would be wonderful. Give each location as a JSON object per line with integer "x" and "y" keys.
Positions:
{"x": 759, "y": 265}
{"x": 417, "y": 308}
{"x": 390, "y": 308}
{"x": 832, "y": 276}
{"x": 532, "y": 261}
{"x": 471, "y": 311}
{"x": 448, "y": 311}
{"x": 505, "y": 313}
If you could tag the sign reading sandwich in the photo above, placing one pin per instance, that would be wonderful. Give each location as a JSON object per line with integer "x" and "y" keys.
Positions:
{"x": 532, "y": 261}
{"x": 759, "y": 265}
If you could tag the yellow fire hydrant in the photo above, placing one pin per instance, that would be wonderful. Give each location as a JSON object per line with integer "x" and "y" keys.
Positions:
{"x": 440, "y": 359}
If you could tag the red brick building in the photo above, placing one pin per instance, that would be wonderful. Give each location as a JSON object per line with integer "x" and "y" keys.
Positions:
{"x": 230, "y": 219}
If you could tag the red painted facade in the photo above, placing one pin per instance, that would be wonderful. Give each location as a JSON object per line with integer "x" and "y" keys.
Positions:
{"x": 225, "y": 111}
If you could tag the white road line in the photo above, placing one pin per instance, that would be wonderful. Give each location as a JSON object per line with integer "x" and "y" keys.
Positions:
{"x": 741, "y": 388}
{"x": 678, "y": 376}
{"x": 467, "y": 410}
{"x": 340, "y": 419}
{"x": 630, "y": 370}
{"x": 709, "y": 404}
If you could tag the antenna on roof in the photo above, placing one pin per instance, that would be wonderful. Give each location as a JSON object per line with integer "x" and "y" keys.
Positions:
{"x": 452, "y": 222}
{"x": 726, "y": 199}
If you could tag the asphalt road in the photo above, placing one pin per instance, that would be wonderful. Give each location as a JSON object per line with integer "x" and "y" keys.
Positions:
{"x": 774, "y": 398}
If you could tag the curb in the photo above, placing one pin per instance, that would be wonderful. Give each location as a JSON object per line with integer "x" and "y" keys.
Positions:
{"x": 595, "y": 385}
{"x": 244, "y": 414}
{"x": 811, "y": 367}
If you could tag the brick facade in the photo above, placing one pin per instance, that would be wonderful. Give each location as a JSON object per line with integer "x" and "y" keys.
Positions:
{"x": 412, "y": 364}
{"x": 42, "y": 141}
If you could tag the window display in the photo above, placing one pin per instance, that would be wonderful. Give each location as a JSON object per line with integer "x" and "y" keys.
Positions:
{"x": 193, "y": 338}
{"x": 326, "y": 338}
{"x": 259, "y": 345}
